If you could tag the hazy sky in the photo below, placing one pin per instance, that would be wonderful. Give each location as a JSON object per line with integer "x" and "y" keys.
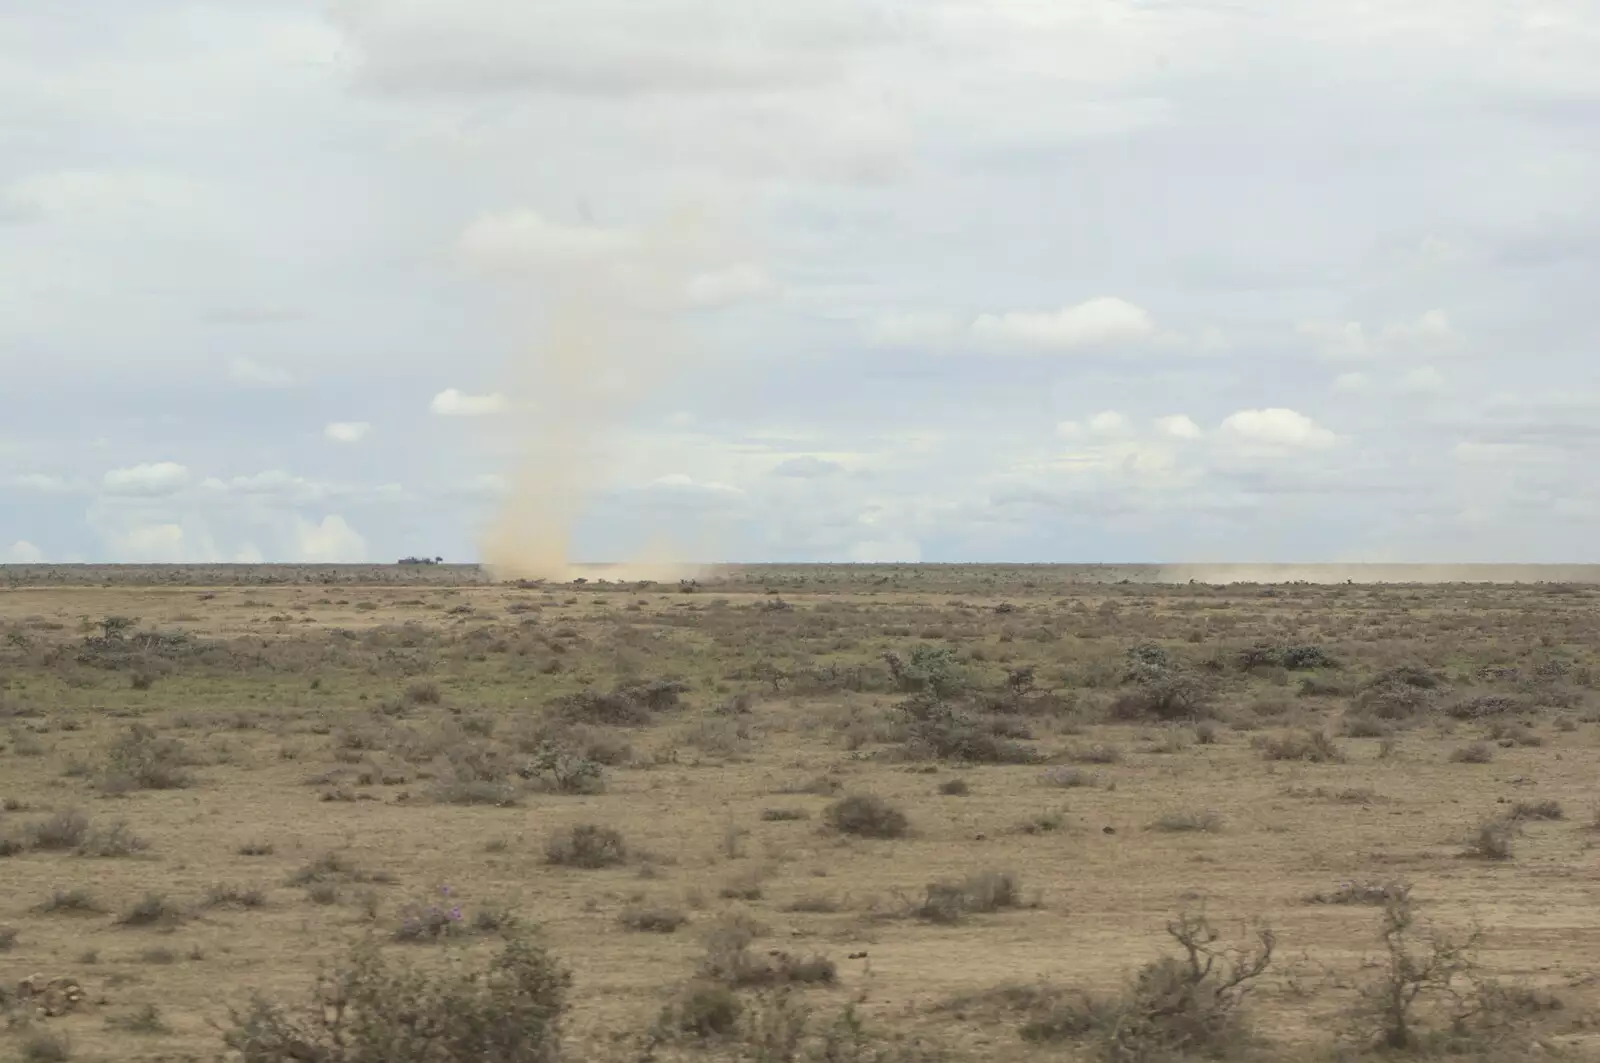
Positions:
{"x": 932, "y": 280}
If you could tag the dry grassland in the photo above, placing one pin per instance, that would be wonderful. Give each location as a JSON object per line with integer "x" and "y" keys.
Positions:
{"x": 217, "y": 782}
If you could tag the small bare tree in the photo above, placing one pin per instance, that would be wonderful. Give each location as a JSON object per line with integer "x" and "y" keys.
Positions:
{"x": 1418, "y": 966}
{"x": 1190, "y": 1002}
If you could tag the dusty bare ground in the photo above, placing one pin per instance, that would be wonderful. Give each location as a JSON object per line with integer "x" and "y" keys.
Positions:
{"x": 1237, "y": 750}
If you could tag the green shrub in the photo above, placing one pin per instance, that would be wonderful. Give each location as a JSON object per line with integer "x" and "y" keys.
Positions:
{"x": 143, "y": 760}
{"x": 1366, "y": 727}
{"x": 585, "y": 845}
{"x": 62, "y": 831}
{"x": 632, "y": 704}
{"x": 76, "y": 901}
{"x": 1099, "y": 753}
{"x": 936, "y": 730}
{"x": 729, "y": 960}
{"x": 985, "y": 891}
{"x": 705, "y": 1011}
{"x": 153, "y": 909}
{"x": 1494, "y": 839}
{"x": 45, "y": 1046}
{"x": 1537, "y": 810}
{"x": 1312, "y": 746}
{"x": 1185, "y": 1006}
{"x": 1476, "y": 753}
{"x": 866, "y": 816}
{"x": 653, "y": 919}
{"x": 114, "y": 841}
{"x": 1189, "y": 821}
{"x": 505, "y": 1010}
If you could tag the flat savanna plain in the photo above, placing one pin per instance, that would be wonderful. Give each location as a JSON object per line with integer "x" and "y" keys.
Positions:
{"x": 216, "y": 781}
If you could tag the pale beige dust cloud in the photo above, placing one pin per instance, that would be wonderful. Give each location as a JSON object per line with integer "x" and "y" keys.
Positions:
{"x": 614, "y": 326}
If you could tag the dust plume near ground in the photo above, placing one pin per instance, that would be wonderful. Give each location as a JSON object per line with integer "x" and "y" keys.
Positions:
{"x": 611, "y": 331}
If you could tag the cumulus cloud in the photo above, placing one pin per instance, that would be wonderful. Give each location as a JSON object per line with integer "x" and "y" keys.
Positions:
{"x": 1178, "y": 426}
{"x": 524, "y": 240}
{"x": 41, "y": 483}
{"x": 1099, "y": 322}
{"x": 347, "y": 431}
{"x": 250, "y": 372}
{"x": 926, "y": 329}
{"x": 1424, "y": 380}
{"x": 155, "y": 544}
{"x": 159, "y": 478}
{"x": 676, "y": 265}
{"x": 729, "y": 285}
{"x": 275, "y": 484}
{"x": 331, "y": 540}
{"x": 681, "y": 482}
{"x": 453, "y": 403}
{"x": 88, "y": 195}
{"x": 1476, "y": 453}
{"x": 807, "y": 467}
{"x": 23, "y": 552}
{"x": 1431, "y": 332}
{"x": 1278, "y": 428}
{"x": 1108, "y": 423}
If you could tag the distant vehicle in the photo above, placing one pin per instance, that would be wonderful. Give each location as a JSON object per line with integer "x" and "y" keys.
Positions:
{"x": 421, "y": 561}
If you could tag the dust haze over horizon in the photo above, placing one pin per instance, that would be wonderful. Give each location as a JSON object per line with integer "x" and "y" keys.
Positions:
{"x": 940, "y": 281}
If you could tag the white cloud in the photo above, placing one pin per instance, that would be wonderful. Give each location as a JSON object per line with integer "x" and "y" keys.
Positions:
{"x": 41, "y": 483}
{"x": 1473, "y": 453}
{"x": 723, "y": 286}
{"x": 1069, "y": 429}
{"x": 87, "y": 195}
{"x": 23, "y": 552}
{"x": 487, "y": 483}
{"x": 1178, "y": 426}
{"x": 1338, "y": 341}
{"x": 807, "y": 467}
{"x": 257, "y": 374}
{"x": 927, "y": 329}
{"x": 275, "y": 484}
{"x": 1424, "y": 380}
{"x": 521, "y": 240}
{"x": 677, "y": 481}
{"x": 1108, "y": 422}
{"x": 1099, "y": 322}
{"x": 153, "y": 544}
{"x": 1348, "y": 382}
{"x": 159, "y": 478}
{"x": 453, "y": 403}
{"x": 1431, "y": 332}
{"x": 1277, "y": 428}
{"x": 347, "y": 431}
{"x": 331, "y": 540}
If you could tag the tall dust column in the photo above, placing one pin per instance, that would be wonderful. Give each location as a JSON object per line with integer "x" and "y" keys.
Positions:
{"x": 611, "y": 333}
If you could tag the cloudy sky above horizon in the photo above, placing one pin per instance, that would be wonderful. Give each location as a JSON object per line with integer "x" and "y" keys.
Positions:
{"x": 939, "y": 280}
